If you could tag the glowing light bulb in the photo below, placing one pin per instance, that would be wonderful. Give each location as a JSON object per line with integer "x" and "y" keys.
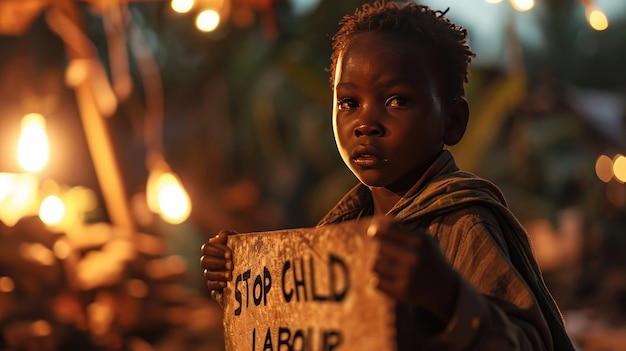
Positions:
{"x": 7, "y": 284}
{"x": 6, "y": 183}
{"x": 522, "y": 5}
{"x": 166, "y": 196}
{"x": 32, "y": 148}
{"x": 51, "y": 210}
{"x": 174, "y": 203}
{"x": 597, "y": 19}
{"x": 40, "y": 328}
{"x": 182, "y": 6}
{"x": 604, "y": 168}
{"x": 619, "y": 168}
{"x": 19, "y": 197}
{"x": 207, "y": 20}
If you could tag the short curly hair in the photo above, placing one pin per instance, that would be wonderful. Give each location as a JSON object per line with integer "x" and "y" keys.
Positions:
{"x": 446, "y": 41}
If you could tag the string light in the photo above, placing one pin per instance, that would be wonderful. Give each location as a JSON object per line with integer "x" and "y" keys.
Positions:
{"x": 604, "y": 168}
{"x": 608, "y": 169}
{"x": 207, "y": 20}
{"x": 596, "y": 18}
{"x": 51, "y": 210}
{"x": 619, "y": 168}
{"x": 165, "y": 194}
{"x": 211, "y": 14}
{"x": 522, "y": 5}
{"x": 32, "y": 149}
{"x": 182, "y": 6}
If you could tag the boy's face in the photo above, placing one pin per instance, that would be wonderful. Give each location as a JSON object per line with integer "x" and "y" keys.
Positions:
{"x": 387, "y": 117}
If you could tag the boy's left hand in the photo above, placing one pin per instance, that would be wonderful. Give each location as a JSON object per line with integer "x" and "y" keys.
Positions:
{"x": 411, "y": 268}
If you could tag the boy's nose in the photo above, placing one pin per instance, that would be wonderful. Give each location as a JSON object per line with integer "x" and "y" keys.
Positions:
{"x": 368, "y": 121}
{"x": 369, "y": 129}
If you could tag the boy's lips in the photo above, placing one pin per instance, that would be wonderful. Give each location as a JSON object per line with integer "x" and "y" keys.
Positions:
{"x": 366, "y": 156}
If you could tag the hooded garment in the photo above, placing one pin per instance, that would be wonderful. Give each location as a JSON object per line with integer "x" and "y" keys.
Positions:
{"x": 443, "y": 202}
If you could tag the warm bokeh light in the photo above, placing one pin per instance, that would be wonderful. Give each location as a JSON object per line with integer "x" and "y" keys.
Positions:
{"x": 207, "y": 20}
{"x": 6, "y": 183}
{"x": 522, "y": 5}
{"x": 51, "y": 210}
{"x": 38, "y": 253}
{"x": 597, "y": 19}
{"x": 182, "y": 6}
{"x": 62, "y": 249}
{"x": 101, "y": 314}
{"x": 619, "y": 168}
{"x": 604, "y": 168}
{"x": 137, "y": 288}
{"x": 173, "y": 199}
{"x": 40, "y": 328}
{"x": 77, "y": 72}
{"x": 19, "y": 197}
{"x": 161, "y": 268}
{"x": 33, "y": 149}
{"x": 7, "y": 284}
{"x": 493, "y": 1}
{"x": 166, "y": 195}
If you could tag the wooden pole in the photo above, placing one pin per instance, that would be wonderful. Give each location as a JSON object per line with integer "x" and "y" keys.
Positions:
{"x": 96, "y": 131}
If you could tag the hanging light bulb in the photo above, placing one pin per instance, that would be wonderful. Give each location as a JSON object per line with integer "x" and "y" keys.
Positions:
{"x": 208, "y": 20}
{"x": 522, "y": 5}
{"x": 604, "y": 168}
{"x": 166, "y": 195}
{"x": 52, "y": 210}
{"x": 173, "y": 199}
{"x": 596, "y": 18}
{"x": 32, "y": 148}
{"x": 182, "y": 6}
{"x": 619, "y": 168}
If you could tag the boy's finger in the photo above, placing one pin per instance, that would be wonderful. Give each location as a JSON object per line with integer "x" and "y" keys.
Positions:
{"x": 385, "y": 267}
{"x": 218, "y": 276}
{"x": 389, "y": 286}
{"x": 216, "y": 250}
{"x": 222, "y": 236}
{"x": 405, "y": 255}
{"x": 213, "y": 263}
{"x": 391, "y": 232}
{"x": 379, "y": 224}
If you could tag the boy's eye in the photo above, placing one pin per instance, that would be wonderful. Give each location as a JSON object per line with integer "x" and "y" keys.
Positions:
{"x": 396, "y": 101}
{"x": 347, "y": 103}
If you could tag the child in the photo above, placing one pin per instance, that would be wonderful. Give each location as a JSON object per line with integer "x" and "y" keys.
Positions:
{"x": 456, "y": 260}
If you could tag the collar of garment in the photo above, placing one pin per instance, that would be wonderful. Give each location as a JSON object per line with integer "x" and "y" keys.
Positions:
{"x": 443, "y": 187}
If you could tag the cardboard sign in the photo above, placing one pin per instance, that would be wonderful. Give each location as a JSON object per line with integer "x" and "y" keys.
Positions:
{"x": 306, "y": 289}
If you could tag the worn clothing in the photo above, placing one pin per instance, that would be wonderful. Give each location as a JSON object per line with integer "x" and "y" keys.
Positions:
{"x": 503, "y": 303}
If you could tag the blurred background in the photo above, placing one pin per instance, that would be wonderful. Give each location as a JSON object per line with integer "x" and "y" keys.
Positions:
{"x": 131, "y": 131}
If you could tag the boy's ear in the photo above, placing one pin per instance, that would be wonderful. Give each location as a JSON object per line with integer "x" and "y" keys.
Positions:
{"x": 456, "y": 121}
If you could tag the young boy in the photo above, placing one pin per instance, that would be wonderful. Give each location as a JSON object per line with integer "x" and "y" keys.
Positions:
{"x": 456, "y": 260}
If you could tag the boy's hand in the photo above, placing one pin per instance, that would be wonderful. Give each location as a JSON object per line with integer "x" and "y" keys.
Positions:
{"x": 411, "y": 268}
{"x": 217, "y": 261}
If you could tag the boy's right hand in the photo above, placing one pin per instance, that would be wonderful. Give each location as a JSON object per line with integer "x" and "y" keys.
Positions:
{"x": 217, "y": 261}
